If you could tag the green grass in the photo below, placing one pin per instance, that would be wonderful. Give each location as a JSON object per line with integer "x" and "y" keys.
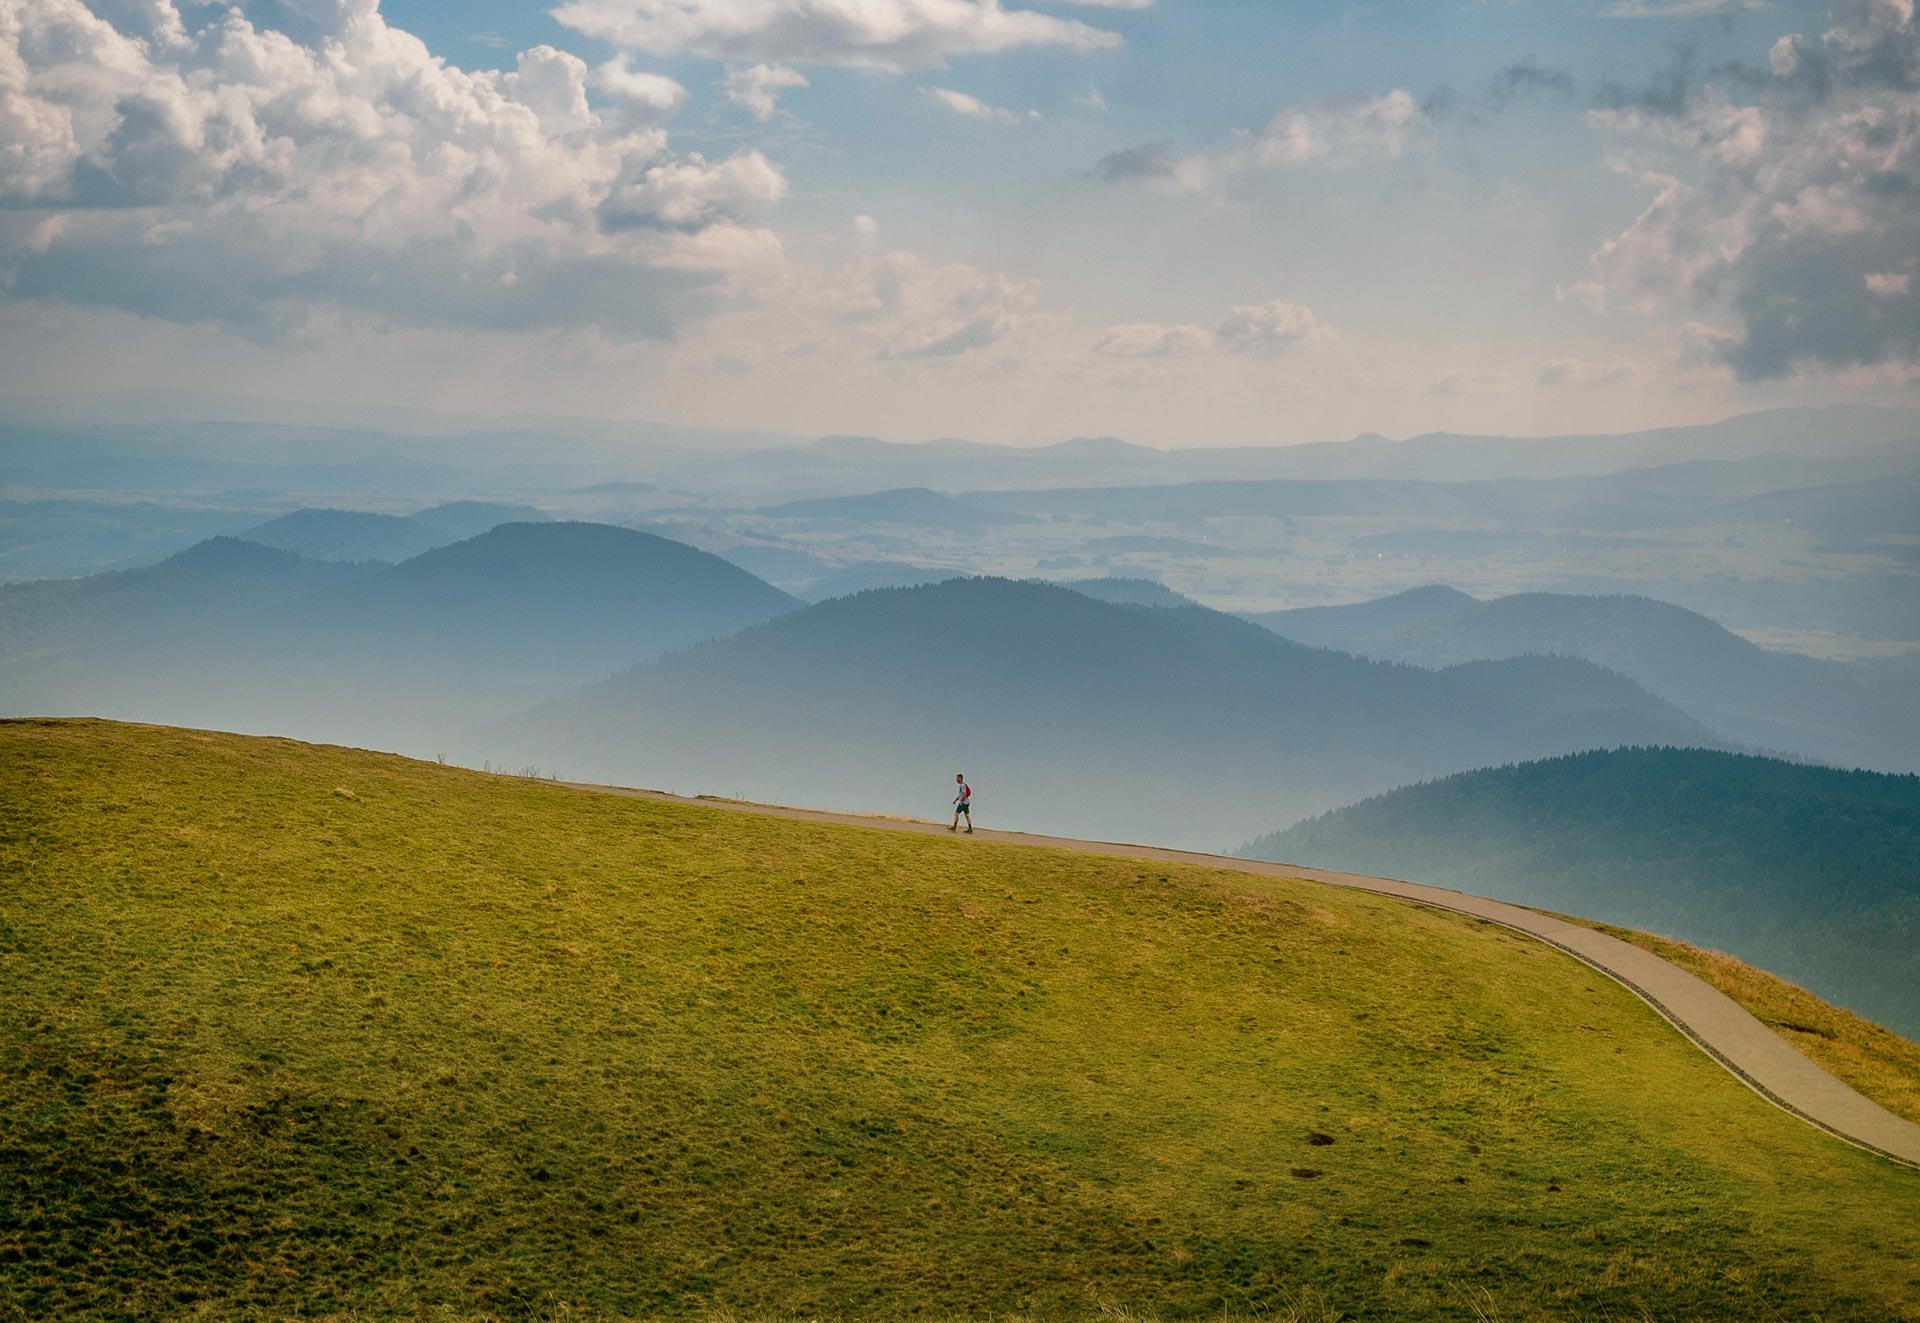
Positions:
{"x": 1877, "y": 1062}
{"x": 290, "y": 1031}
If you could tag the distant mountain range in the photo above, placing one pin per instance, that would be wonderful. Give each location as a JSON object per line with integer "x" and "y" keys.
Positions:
{"x": 125, "y": 612}
{"x": 393, "y": 656}
{"x": 1455, "y": 512}
{"x": 69, "y": 537}
{"x": 1138, "y": 715}
{"x": 1772, "y": 439}
{"x": 1170, "y": 724}
{"x": 1352, "y": 627}
{"x": 344, "y": 535}
{"x": 360, "y": 535}
{"x": 1849, "y": 516}
{"x": 1810, "y": 872}
{"x": 1128, "y": 592}
{"x": 1863, "y": 713}
{"x": 185, "y": 442}
{"x": 65, "y": 538}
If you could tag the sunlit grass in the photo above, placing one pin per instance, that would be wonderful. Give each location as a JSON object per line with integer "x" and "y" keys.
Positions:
{"x": 1874, "y": 1060}
{"x": 309, "y": 1031}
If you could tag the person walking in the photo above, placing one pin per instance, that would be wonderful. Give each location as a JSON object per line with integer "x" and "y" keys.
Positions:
{"x": 962, "y": 803}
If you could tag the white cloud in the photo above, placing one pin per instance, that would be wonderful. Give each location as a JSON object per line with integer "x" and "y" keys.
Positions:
{"x": 235, "y": 175}
{"x": 1264, "y": 328}
{"x": 691, "y": 193}
{"x": 865, "y": 227}
{"x": 1257, "y": 328}
{"x": 1153, "y": 340}
{"x": 1678, "y": 8}
{"x": 1584, "y": 373}
{"x": 1702, "y": 346}
{"x": 757, "y": 87}
{"x": 1339, "y": 130}
{"x": 1889, "y": 284}
{"x": 921, "y": 309}
{"x": 1785, "y": 209}
{"x": 972, "y": 107}
{"x": 1459, "y": 382}
{"x": 893, "y": 308}
{"x": 1091, "y": 100}
{"x": 648, "y": 98}
{"x": 1668, "y": 248}
{"x": 1334, "y": 132}
{"x": 553, "y": 84}
{"x": 874, "y": 34}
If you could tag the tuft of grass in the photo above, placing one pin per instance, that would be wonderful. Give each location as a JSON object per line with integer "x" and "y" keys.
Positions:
{"x": 469, "y": 1047}
{"x": 1879, "y": 1063}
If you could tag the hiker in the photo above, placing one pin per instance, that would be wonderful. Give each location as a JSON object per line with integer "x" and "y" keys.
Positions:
{"x": 962, "y": 803}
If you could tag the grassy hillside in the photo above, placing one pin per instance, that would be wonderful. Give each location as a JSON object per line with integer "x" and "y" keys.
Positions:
{"x": 302, "y": 1030}
{"x": 1809, "y": 871}
{"x": 1875, "y": 1061}
{"x": 1178, "y": 725}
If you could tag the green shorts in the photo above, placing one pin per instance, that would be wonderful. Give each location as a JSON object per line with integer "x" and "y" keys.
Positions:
{"x": 964, "y": 807}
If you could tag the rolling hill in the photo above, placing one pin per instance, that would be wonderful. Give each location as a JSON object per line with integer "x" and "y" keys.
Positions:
{"x": 308, "y": 1032}
{"x": 360, "y": 535}
{"x": 346, "y": 535}
{"x": 1177, "y": 725}
{"x": 1123, "y": 591}
{"x": 1840, "y": 512}
{"x": 1352, "y": 626}
{"x": 415, "y": 651}
{"x": 1864, "y": 714}
{"x": 1810, "y": 871}
{"x": 65, "y": 539}
{"x": 459, "y": 520}
{"x": 125, "y": 610}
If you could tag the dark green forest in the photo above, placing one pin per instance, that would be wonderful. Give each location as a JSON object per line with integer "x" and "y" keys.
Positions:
{"x": 1811, "y": 872}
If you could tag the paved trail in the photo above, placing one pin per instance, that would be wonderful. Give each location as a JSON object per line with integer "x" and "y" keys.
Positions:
{"x": 1756, "y": 1055}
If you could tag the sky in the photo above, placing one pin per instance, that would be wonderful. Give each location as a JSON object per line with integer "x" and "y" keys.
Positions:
{"x": 1181, "y": 222}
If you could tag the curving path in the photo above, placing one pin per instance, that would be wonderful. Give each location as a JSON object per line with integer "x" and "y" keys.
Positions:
{"x": 1717, "y": 1024}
